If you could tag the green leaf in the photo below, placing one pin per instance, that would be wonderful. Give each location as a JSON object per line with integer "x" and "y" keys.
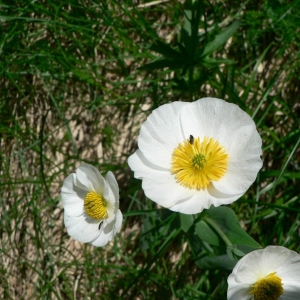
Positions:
{"x": 195, "y": 245}
{"x": 230, "y": 253}
{"x": 220, "y": 39}
{"x": 186, "y": 221}
{"x": 224, "y": 261}
{"x": 216, "y": 262}
{"x": 233, "y": 252}
{"x": 186, "y": 30}
{"x": 193, "y": 12}
{"x": 162, "y": 63}
{"x": 226, "y": 220}
{"x": 166, "y": 50}
{"x": 210, "y": 62}
{"x": 207, "y": 234}
{"x": 238, "y": 252}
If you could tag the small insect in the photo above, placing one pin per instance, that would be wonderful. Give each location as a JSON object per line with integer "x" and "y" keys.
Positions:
{"x": 191, "y": 140}
{"x": 100, "y": 225}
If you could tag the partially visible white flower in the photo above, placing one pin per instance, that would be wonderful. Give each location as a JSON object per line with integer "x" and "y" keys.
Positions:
{"x": 194, "y": 155}
{"x": 267, "y": 274}
{"x": 91, "y": 206}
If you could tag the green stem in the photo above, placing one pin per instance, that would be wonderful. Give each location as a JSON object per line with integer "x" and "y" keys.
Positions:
{"x": 191, "y": 82}
{"x": 215, "y": 226}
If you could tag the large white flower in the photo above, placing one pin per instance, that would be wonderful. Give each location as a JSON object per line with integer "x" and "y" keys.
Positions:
{"x": 267, "y": 274}
{"x": 194, "y": 155}
{"x": 91, "y": 205}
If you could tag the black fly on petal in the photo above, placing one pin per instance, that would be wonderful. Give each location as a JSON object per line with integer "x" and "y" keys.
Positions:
{"x": 100, "y": 225}
{"x": 191, "y": 140}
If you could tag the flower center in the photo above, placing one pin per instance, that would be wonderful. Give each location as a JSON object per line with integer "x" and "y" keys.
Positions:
{"x": 95, "y": 206}
{"x": 196, "y": 164}
{"x": 268, "y": 288}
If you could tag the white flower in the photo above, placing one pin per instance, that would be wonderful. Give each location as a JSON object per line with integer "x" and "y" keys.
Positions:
{"x": 267, "y": 274}
{"x": 194, "y": 155}
{"x": 91, "y": 205}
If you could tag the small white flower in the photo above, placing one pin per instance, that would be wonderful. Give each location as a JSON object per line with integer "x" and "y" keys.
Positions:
{"x": 194, "y": 155}
{"x": 91, "y": 205}
{"x": 272, "y": 273}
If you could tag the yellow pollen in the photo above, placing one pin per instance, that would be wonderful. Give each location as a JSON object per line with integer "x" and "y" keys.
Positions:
{"x": 196, "y": 164}
{"x": 94, "y": 205}
{"x": 268, "y": 288}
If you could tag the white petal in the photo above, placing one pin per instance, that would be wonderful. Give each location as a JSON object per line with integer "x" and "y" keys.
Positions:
{"x": 109, "y": 231}
{"x": 203, "y": 199}
{"x": 273, "y": 258}
{"x": 74, "y": 209}
{"x": 250, "y": 268}
{"x": 219, "y": 198}
{"x": 239, "y": 176}
{"x": 82, "y": 228}
{"x": 90, "y": 177}
{"x": 161, "y": 134}
{"x": 201, "y": 118}
{"x": 166, "y": 192}
{"x": 159, "y": 185}
{"x": 218, "y": 119}
{"x": 244, "y": 143}
{"x": 289, "y": 269}
{"x": 72, "y": 196}
{"x": 260, "y": 263}
{"x": 112, "y": 182}
{"x": 237, "y": 291}
{"x": 194, "y": 204}
{"x": 291, "y": 289}
{"x": 119, "y": 220}
{"x": 142, "y": 167}
{"x": 244, "y": 164}
{"x": 111, "y": 191}
{"x": 104, "y": 237}
{"x": 111, "y": 194}
{"x": 82, "y": 181}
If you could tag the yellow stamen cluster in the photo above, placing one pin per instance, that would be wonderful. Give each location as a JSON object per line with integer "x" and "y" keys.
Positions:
{"x": 268, "y": 288}
{"x": 195, "y": 164}
{"x": 94, "y": 205}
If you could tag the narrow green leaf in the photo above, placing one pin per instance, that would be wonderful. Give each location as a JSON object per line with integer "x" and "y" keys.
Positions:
{"x": 186, "y": 30}
{"x": 210, "y": 62}
{"x": 252, "y": 80}
{"x": 221, "y": 39}
{"x": 166, "y": 50}
{"x": 162, "y": 63}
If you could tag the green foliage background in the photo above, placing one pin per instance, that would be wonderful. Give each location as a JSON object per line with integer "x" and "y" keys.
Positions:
{"x": 77, "y": 80}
